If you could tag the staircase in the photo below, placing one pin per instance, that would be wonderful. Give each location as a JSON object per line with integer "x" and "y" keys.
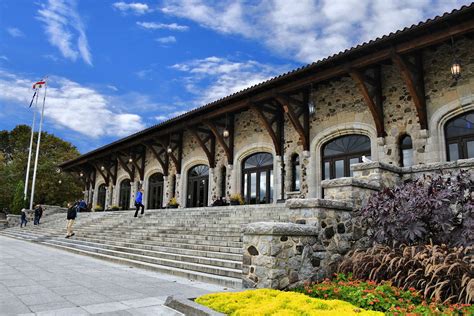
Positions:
{"x": 202, "y": 244}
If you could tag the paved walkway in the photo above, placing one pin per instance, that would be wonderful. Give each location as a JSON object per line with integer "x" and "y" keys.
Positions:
{"x": 40, "y": 280}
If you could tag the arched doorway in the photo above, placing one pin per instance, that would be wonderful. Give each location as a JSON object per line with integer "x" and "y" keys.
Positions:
{"x": 155, "y": 191}
{"x": 101, "y": 192}
{"x": 124, "y": 197}
{"x": 257, "y": 178}
{"x": 341, "y": 152}
{"x": 459, "y": 133}
{"x": 197, "y": 189}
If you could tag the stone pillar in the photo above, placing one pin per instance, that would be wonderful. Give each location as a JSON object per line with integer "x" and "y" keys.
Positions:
{"x": 107, "y": 197}
{"x": 166, "y": 195}
{"x": 279, "y": 255}
{"x": 229, "y": 180}
{"x": 133, "y": 193}
{"x": 212, "y": 185}
{"x": 277, "y": 178}
{"x": 178, "y": 192}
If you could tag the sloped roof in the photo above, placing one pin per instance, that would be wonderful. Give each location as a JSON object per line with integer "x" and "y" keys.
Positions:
{"x": 448, "y": 18}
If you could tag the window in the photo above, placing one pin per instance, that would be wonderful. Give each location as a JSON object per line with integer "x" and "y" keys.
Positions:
{"x": 406, "y": 151}
{"x": 340, "y": 153}
{"x": 295, "y": 173}
{"x": 223, "y": 181}
{"x": 460, "y": 137}
{"x": 124, "y": 197}
{"x": 198, "y": 183}
{"x": 155, "y": 191}
{"x": 257, "y": 179}
{"x": 101, "y": 196}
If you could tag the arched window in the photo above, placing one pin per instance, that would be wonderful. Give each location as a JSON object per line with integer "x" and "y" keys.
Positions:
{"x": 460, "y": 137}
{"x": 406, "y": 151}
{"x": 223, "y": 181}
{"x": 338, "y": 154}
{"x": 257, "y": 179}
{"x": 155, "y": 191}
{"x": 295, "y": 173}
{"x": 101, "y": 196}
{"x": 124, "y": 197}
{"x": 198, "y": 183}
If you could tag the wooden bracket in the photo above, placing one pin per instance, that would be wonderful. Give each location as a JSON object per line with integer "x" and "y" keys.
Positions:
{"x": 412, "y": 75}
{"x": 218, "y": 134}
{"x": 103, "y": 173}
{"x": 274, "y": 119}
{"x": 294, "y": 117}
{"x": 207, "y": 143}
{"x": 130, "y": 171}
{"x": 160, "y": 155}
{"x": 370, "y": 85}
{"x": 138, "y": 160}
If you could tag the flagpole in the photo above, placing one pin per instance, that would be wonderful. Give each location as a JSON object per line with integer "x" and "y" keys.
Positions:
{"x": 37, "y": 149}
{"x": 31, "y": 147}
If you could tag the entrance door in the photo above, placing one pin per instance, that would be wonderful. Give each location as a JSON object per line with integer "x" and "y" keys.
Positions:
{"x": 155, "y": 191}
{"x": 124, "y": 198}
{"x": 101, "y": 196}
{"x": 197, "y": 189}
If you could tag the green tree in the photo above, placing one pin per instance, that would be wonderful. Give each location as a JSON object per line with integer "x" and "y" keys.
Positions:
{"x": 18, "y": 202}
{"x": 14, "y": 147}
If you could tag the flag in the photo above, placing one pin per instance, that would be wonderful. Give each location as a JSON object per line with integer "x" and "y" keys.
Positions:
{"x": 33, "y": 98}
{"x": 39, "y": 84}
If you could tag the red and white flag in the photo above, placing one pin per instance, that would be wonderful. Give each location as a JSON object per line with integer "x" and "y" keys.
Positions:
{"x": 39, "y": 84}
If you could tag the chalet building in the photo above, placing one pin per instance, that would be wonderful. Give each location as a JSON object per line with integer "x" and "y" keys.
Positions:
{"x": 405, "y": 102}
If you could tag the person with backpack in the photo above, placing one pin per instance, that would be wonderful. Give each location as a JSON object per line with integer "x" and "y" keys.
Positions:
{"x": 138, "y": 202}
{"x": 71, "y": 217}
{"x": 23, "y": 218}
{"x": 82, "y": 206}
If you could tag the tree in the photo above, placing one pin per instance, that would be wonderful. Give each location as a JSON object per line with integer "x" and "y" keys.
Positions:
{"x": 18, "y": 202}
{"x": 14, "y": 147}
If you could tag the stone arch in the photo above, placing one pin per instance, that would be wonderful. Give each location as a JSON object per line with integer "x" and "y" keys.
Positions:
{"x": 96, "y": 191}
{"x": 116, "y": 190}
{"x": 247, "y": 151}
{"x": 325, "y": 136}
{"x": 148, "y": 173}
{"x": 183, "y": 181}
{"x": 436, "y": 144}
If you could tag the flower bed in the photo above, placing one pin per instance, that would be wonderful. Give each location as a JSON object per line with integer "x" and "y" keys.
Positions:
{"x": 381, "y": 297}
{"x": 274, "y": 302}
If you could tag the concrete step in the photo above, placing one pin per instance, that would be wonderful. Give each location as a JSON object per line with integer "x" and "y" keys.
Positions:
{"x": 151, "y": 234}
{"x": 192, "y": 275}
{"x": 203, "y": 268}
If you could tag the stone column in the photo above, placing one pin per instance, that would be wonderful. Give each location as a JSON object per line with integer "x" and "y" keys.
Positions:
{"x": 178, "y": 191}
{"x": 107, "y": 197}
{"x": 166, "y": 194}
{"x": 279, "y": 255}
{"x": 133, "y": 192}
{"x": 212, "y": 185}
{"x": 277, "y": 178}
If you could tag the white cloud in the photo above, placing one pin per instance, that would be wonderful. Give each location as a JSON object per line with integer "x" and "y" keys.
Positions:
{"x": 73, "y": 106}
{"x": 160, "y": 26}
{"x": 112, "y": 87}
{"x": 65, "y": 29}
{"x": 166, "y": 40}
{"x": 308, "y": 30}
{"x": 134, "y": 7}
{"x": 15, "y": 32}
{"x": 143, "y": 74}
{"x": 3, "y": 57}
{"x": 214, "y": 77}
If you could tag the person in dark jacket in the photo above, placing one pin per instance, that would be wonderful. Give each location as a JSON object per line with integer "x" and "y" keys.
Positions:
{"x": 23, "y": 218}
{"x": 71, "y": 217}
{"x": 38, "y": 214}
{"x": 138, "y": 202}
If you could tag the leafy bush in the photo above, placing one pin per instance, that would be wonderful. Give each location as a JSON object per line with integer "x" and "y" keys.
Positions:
{"x": 98, "y": 208}
{"x": 173, "y": 202}
{"x": 237, "y": 198}
{"x": 114, "y": 208}
{"x": 18, "y": 202}
{"x": 274, "y": 302}
{"x": 437, "y": 209}
{"x": 439, "y": 273}
{"x": 380, "y": 297}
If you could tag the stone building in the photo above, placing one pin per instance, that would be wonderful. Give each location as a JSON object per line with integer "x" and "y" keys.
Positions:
{"x": 335, "y": 130}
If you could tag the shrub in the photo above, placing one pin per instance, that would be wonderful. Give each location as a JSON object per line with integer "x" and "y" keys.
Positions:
{"x": 173, "y": 202}
{"x": 439, "y": 273}
{"x": 18, "y": 202}
{"x": 274, "y": 302}
{"x": 379, "y": 296}
{"x": 98, "y": 208}
{"x": 237, "y": 198}
{"x": 114, "y": 208}
{"x": 436, "y": 209}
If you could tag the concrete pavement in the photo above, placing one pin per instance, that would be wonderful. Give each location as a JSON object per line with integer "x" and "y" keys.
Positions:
{"x": 39, "y": 280}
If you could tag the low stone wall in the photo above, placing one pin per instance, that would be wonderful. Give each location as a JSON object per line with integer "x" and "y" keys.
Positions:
{"x": 13, "y": 220}
{"x": 350, "y": 190}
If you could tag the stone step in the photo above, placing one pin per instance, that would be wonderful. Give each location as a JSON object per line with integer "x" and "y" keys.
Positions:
{"x": 152, "y": 234}
{"x": 208, "y": 269}
{"x": 232, "y": 264}
{"x": 192, "y": 275}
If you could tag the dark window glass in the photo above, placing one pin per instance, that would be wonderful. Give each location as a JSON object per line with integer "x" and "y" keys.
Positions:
{"x": 198, "y": 183}
{"x": 155, "y": 191}
{"x": 340, "y": 153}
{"x": 223, "y": 181}
{"x": 101, "y": 195}
{"x": 406, "y": 151}
{"x": 257, "y": 178}
{"x": 459, "y": 137}
{"x": 124, "y": 197}
{"x": 295, "y": 173}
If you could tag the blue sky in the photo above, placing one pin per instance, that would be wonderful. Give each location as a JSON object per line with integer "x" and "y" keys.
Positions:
{"x": 116, "y": 67}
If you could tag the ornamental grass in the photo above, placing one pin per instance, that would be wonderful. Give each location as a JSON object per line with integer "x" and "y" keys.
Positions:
{"x": 277, "y": 303}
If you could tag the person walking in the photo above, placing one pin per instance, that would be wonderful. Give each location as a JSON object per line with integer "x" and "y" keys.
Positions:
{"x": 138, "y": 202}
{"x": 38, "y": 214}
{"x": 23, "y": 218}
{"x": 71, "y": 217}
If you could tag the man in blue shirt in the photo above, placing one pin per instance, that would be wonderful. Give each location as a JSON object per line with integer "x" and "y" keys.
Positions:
{"x": 138, "y": 202}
